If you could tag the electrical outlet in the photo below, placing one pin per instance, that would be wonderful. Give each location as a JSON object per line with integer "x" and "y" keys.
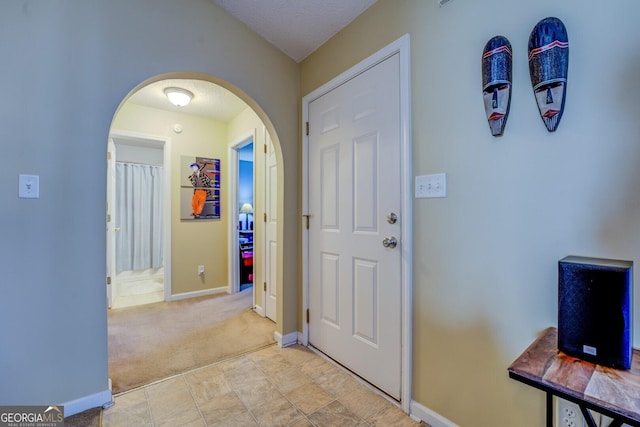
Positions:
{"x": 29, "y": 186}
{"x": 568, "y": 414}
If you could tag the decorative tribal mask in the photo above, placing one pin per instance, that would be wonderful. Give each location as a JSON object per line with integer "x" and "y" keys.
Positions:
{"x": 548, "y": 65}
{"x": 496, "y": 82}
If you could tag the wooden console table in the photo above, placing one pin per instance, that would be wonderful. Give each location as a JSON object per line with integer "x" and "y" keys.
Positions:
{"x": 611, "y": 392}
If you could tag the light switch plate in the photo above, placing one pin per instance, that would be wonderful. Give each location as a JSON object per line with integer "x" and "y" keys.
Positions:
{"x": 29, "y": 186}
{"x": 431, "y": 186}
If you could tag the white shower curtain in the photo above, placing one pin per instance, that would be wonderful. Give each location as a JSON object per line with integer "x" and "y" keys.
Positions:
{"x": 139, "y": 215}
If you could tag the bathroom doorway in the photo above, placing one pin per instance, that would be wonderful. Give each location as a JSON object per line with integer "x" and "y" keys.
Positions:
{"x": 136, "y": 226}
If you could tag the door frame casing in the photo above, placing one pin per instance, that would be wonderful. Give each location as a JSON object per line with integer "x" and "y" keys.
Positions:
{"x": 234, "y": 258}
{"x": 402, "y": 47}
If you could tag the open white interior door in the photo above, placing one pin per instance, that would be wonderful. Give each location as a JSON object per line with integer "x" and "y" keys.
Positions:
{"x": 111, "y": 203}
{"x": 271, "y": 221}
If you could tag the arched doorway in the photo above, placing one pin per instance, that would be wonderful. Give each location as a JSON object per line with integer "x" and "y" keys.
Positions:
{"x": 195, "y": 265}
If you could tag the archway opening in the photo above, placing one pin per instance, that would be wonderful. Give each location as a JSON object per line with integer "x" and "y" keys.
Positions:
{"x": 196, "y": 251}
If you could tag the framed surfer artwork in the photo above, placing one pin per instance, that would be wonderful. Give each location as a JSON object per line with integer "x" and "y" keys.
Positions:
{"x": 199, "y": 188}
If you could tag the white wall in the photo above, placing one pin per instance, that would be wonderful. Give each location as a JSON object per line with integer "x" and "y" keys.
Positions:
{"x": 66, "y": 66}
{"x": 485, "y": 257}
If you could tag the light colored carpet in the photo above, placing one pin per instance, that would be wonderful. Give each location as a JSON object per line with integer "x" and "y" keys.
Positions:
{"x": 155, "y": 341}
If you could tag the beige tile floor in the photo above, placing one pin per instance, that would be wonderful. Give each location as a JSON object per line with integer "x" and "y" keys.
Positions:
{"x": 274, "y": 386}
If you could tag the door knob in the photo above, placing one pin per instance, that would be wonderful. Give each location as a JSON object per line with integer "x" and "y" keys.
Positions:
{"x": 390, "y": 242}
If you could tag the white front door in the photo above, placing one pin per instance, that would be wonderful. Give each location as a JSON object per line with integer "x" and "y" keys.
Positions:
{"x": 355, "y": 271}
{"x": 271, "y": 230}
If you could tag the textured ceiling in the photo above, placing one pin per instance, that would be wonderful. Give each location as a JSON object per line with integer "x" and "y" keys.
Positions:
{"x": 296, "y": 27}
{"x": 209, "y": 100}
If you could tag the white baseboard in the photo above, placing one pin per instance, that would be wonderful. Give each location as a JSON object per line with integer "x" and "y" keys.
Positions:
{"x": 195, "y": 294}
{"x": 302, "y": 339}
{"x": 259, "y": 310}
{"x": 96, "y": 400}
{"x": 428, "y": 416}
{"x": 286, "y": 340}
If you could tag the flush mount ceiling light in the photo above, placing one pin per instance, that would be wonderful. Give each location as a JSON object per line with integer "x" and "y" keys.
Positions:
{"x": 178, "y": 96}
